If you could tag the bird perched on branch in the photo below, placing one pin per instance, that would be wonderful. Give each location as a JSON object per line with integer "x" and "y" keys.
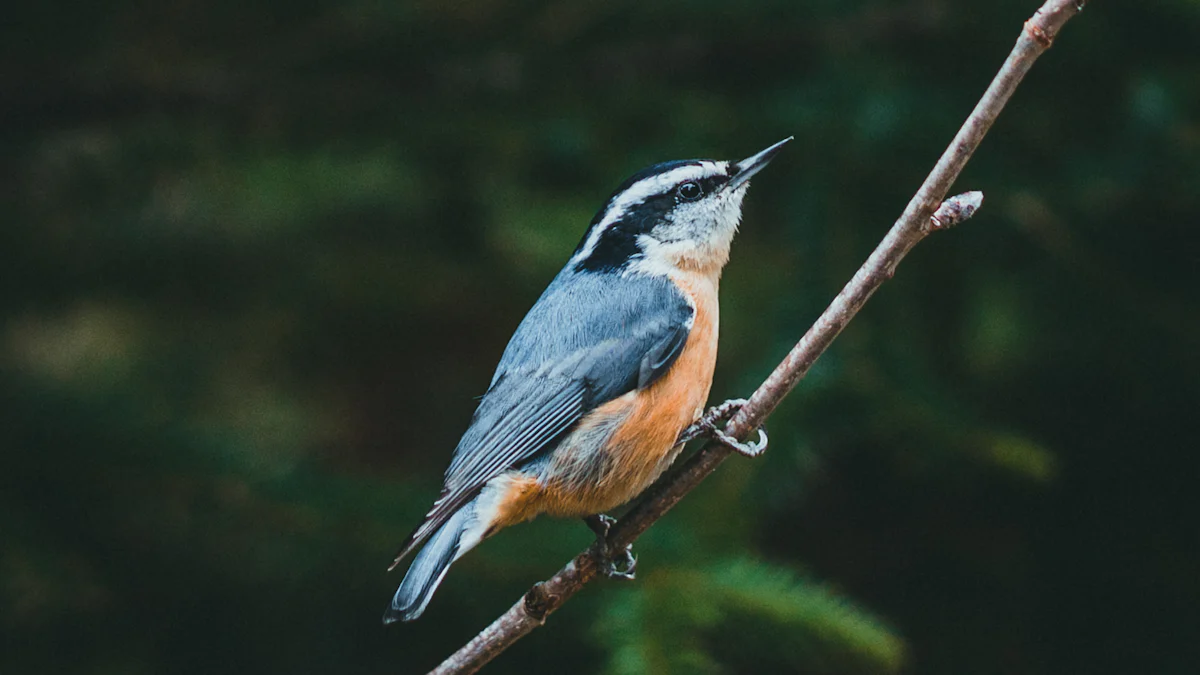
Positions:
{"x": 604, "y": 379}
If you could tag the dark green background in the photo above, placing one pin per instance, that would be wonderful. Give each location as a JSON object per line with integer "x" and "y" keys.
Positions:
{"x": 257, "y": 258}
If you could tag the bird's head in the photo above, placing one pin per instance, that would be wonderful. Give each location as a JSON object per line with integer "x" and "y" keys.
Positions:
{"x": 671, "y": 216}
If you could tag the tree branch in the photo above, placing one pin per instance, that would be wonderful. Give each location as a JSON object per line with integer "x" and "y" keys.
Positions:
{"x": 914, "y": 225}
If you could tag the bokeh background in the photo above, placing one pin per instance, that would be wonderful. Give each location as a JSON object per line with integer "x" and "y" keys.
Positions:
{"x": 258, "y": 258}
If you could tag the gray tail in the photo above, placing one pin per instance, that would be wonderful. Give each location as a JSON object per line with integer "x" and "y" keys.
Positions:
{"x": 427, "y": 570}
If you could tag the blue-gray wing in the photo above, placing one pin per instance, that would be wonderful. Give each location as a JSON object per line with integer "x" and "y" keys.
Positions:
{"x": 587, "y": 341}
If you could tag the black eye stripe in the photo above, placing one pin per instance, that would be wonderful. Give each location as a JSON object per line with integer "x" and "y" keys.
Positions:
{"x": 617, "y": 244}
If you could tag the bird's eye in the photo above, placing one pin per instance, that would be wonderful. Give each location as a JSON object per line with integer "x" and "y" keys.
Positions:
{"x": 690, "y": 192}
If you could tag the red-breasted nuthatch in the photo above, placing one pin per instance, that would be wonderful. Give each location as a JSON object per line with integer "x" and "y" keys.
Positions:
{"x": 615, "y": 360}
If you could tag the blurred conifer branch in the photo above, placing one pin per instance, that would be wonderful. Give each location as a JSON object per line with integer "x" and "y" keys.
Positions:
{"x": 915, "y": 223}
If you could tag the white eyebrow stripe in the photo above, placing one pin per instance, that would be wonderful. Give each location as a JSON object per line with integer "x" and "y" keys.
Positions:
{"x": 641, "y": 191}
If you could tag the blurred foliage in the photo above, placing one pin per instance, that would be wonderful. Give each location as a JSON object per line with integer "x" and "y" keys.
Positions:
{"x": 259, "y": 258}
{"x": 748, "y": 613}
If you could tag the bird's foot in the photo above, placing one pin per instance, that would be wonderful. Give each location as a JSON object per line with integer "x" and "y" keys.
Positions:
{"x": 750, "y": 449}
{"x": 707, "y": 426}
{"x": 621, "y": 564}
{"x": 708, "y": 421}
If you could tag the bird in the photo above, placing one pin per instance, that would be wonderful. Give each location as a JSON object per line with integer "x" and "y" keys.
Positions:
{"x": 603, "y": 380}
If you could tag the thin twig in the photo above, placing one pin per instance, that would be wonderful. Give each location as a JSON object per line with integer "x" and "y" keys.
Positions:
{"x": 914, "y": 224}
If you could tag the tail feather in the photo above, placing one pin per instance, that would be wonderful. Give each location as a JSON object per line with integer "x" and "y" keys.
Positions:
{"x": 422, "y": 532}
{"x": 428, "y": 569}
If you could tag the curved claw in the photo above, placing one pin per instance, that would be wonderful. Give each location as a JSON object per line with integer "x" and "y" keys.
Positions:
{"x": 751, "y": 449}
{"x": 623, "y": 570}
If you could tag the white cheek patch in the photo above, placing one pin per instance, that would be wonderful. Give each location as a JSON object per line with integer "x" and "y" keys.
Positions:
{"x": 691, "y": 220}
{"x": 700, "y": 235}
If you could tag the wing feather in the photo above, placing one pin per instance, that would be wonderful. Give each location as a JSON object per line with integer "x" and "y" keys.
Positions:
{"x": 543, "y": 420}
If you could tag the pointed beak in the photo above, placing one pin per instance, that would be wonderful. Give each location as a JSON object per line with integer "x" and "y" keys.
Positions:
{"x": 753, "y": 164}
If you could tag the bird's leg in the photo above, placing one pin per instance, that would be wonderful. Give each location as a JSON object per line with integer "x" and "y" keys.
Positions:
{"x": 625, "y": 568}
{"x": 707, "y": 426}
{"x": 600, "y": 524}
